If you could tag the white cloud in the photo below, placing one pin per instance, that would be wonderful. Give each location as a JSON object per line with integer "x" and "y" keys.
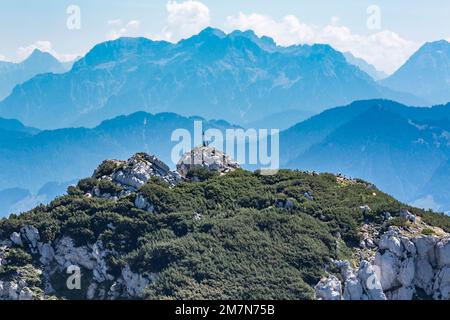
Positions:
{"x": 45, "y": 46}
{"x": 2, "y": 57}
{"x": 286, "y": 32}
{"x": 384, "y": 49}
{"x": 184, "y": 20}
{"x": 115, "y": 22}
{"x": 129, "y": 29}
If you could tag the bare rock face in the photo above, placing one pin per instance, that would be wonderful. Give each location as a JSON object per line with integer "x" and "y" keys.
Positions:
{"x": 31, "y": 236}
{"x": 403, "y": 264}
{"x": 207, "y": 158}
{"x": 443, "y": 253}
{"x": 329, "y": 289}
{"x": 143, "y": 204}
{"x": 62, "y": 254}
{"x": 140, "y": 168}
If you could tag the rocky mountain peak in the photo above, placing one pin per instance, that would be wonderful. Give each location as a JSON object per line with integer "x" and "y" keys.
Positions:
{"x": 399, "y": 263}
{"x": 136, "y": 171}
{"x": 208, "y": 158}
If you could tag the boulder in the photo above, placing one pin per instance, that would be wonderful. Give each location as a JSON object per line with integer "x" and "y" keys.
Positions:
{"x": 390, "y": 241}
{"x": 31, "y": 235}
{"x": 141, "y": 203}
{"x": 407, "y": 215}
{"x": 329, "y": 289}
{"x": 16, "y": 239}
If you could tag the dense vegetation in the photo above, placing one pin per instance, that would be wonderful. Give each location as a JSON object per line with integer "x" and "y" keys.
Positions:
{"x": 238, "y": 236}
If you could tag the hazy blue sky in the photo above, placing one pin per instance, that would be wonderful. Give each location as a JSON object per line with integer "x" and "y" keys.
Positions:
{"x": 403, "y": 25}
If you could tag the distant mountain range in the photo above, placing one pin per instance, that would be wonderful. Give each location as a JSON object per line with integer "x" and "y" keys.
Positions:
{"x": 238, "y": 77}
{"x": 405, "y": 151}
{"x": 365, "y": 66}
{"x": 426, "y": 74}
{"x": 31, "y": 159}
{"x": 12, "y": 74}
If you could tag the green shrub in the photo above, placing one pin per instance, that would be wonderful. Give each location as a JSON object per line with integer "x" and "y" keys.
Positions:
{"x": 107, "y": 168}
{"x": 398, "y": 222}
{"x": 428, "y": 231}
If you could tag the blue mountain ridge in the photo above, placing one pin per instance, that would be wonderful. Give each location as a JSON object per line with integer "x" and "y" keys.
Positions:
{"x": 426, "y": 73}
{"x": 237, "y": 77}
{"x": 12, "y": 74}
{"x": 401, "y": 149}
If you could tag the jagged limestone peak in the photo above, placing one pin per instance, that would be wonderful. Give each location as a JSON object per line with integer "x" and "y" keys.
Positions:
{"x": 208, "y": 158}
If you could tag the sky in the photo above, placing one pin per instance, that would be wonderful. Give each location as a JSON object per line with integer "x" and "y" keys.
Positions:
{"x": 383, "y": 32}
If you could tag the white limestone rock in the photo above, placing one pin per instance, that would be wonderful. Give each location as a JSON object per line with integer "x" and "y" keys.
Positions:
{"x": 90, "y": 292}
{"x": 407, "y": 272}
{"x": 47, "y": 253}
{"x": 390, "y": 241}
{"x": 408, "y": 215}
{"x": 140, "y": 168}
{"x": 141, "y": 203}
{"x": 442, "y": 284}
{"x": 389, "y": 269}
{"x": 443, "y": 252}
{"x": 403, "y": 293}
{"x": 371, "y": 282}
{"x": 329, "y": 289}
{"x": 353, "y": 289}
{"x": 424, "y": 275}
{"x": 16, "y": 239}
{"x": 425, "y": 248}
{"x": 31, "y": 235}
{"x": 208, "y": 158}
{"x": 67, "y": 255}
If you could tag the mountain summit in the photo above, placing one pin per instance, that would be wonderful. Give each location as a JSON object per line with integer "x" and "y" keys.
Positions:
{"x": 426, "y": 73}
{"x": 238, "y": 77}
{"x": 38, "y": 62}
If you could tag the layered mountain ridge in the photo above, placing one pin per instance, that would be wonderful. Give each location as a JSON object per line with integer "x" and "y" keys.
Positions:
{"x": 238, "y": 77}
{"x": 12, "y": 74}
{"x": 426, "y": 73}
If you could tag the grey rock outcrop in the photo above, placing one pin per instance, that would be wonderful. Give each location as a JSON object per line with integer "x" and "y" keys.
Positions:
{"x": 401, "y": 266}
{"x": 208, "y": 158}
{"x": 57, "y": 257}
{"x": 12, "y": 290}
{"x": 143, "y": 204}
{"x": 16, "y": 239}
{"x": 31, "y": 236}
{"x": 329, "y": 288}
{"x": 140, "y": 168}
